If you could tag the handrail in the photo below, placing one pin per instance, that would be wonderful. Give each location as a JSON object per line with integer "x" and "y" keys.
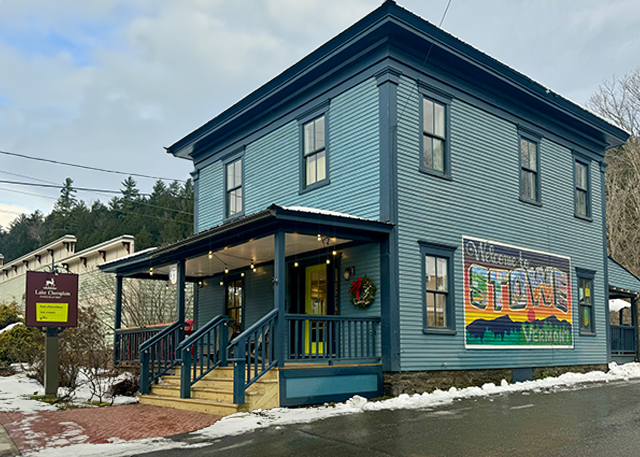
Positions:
{"x": 253, "y": 354}
{"x": 208, "y": 343}
{"x": 623, "y": 339}
{"x": 320, "y": 338}
{"x": 128, "y": 340}
{"x": 158, "y": 354}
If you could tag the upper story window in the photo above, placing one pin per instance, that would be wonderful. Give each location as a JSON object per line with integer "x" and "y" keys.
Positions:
{"x": 583, "y": 191}
{"x": 434, "y": 137}
{"x": 314, "y": 152}
{"x": 234, "y": 202}
{"x": 529, "y": 170}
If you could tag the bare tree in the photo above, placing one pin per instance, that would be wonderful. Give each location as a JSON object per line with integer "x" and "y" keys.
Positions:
{"x": 619, "y": 101}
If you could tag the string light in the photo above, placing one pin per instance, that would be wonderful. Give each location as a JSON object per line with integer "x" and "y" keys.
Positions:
{"x": 252, "y": 266}
{"x": 222, "y": 283}
{"x": 226, "y": 271}
{"x": 150, "y": 271}
{"x": 335, "y": 252}
{"x": 295, "y": 264}
{"x": 328, "y": 261}
{"x": 255, "y": 269}
{"x": 242, "y": 274}
{"x": 319, "y": 237}
{"x": 210, "y": 255}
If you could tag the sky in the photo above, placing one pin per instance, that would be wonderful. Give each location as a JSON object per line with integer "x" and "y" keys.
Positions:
{"x": 109, "y": 83}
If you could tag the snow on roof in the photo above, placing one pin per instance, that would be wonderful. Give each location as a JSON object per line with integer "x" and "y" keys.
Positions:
{"x": 547, "y": 89}
{"x": 304, "y": 209}
{"x": 134, "y": 254}
{"x": 616, "y": 304}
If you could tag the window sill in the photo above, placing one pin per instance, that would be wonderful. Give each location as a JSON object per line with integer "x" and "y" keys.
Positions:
{"x": 531, "y": 202}
{"x": 584, "y": 218}
{"x": 438, "y": 331}
{"x": 314, "y": 186}
{"x": 587, "y": 333}
{"x": 437, "y": 174}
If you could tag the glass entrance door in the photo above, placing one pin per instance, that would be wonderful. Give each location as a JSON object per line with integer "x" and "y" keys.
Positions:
{"x": 315, "y": 304}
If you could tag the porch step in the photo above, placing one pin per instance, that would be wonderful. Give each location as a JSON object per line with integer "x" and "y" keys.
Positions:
{"x": 214, "y": 393}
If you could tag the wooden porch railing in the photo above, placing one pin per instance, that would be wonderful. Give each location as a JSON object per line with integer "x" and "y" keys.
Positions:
{"x": 332, "y": 338}
{"x": 623, "y": 339}
{"x": 202, "y": 352}
{"x": 158, "y": 355}
{"x": 128, "y": 341}
{"x": 253, "y": 354}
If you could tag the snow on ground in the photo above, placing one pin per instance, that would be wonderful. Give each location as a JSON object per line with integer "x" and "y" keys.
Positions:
{"x": 15, "y": 392}
{"x": 245, "y": 422}
{"x": 10, "y": 326}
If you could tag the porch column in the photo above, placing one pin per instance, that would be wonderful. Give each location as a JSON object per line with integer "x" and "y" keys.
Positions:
{"x": 180, "y": 295}
{"x": 278, "y": 295}
{"x": 117, "y": 322}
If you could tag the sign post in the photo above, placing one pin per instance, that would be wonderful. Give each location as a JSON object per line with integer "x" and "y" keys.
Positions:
{"x": 52, "y": 303}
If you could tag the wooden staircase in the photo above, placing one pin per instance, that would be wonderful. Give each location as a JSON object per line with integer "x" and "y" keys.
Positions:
{"x": 213, "y": 394}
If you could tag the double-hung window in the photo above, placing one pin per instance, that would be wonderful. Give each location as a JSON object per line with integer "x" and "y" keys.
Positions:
{"x": 314, "y": 152}
{"x": 434, "y": 137}
{"x": 234, "y": 202}
{"x": 529, "y": 170}
{"x": 438, "y": 293}
{"x": 585, "y": 301}
{"x": 583, "y": 194}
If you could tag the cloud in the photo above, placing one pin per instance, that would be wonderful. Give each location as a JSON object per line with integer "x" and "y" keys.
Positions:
{"x": 10, "y": 212}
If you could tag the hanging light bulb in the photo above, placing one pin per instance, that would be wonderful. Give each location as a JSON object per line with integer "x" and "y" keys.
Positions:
{"x": 255, "y": 269}
{"x": 150, "y": 271}
{"x": 335, "y": 252}
{"x": 226, "y": 271}
{"x": 328, "y": 261}
{"x": 295, "y": 264}
{"x": 210, "y": 255}
{"x": 242, "y": 274}
{"x": 222, "y": 283}
{"x": 319, "y": 237}
{"x": 252, "y": 266}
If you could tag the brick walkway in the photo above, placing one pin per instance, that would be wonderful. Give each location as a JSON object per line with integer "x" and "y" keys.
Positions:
{"x": 100, "y": 425}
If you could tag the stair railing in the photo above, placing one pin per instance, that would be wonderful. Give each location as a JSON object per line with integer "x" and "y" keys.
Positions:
{"x": 253, "y": 354}
{"x": 202, "y": 352}
{"x": 158, "y": 354}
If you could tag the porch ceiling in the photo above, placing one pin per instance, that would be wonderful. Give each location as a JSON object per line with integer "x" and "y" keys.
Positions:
{"x": 239, "y": 242}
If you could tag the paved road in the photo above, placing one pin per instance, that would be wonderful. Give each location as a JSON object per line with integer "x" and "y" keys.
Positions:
{"x": 600, "y": 420}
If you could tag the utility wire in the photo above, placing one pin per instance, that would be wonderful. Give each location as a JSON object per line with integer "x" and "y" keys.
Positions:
{"x": 57, "y": 186}
{"x": 426, "y": 58}
{"x": 85, "y": 167}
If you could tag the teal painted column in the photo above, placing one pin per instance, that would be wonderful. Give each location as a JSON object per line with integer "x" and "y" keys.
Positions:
{"x": 117, "y": 322}
{"x": 387, "y": 81}
{"x": 279, "y": 294}
{"x": 180, "y": 295}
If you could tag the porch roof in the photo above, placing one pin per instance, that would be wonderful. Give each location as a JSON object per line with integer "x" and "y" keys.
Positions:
{"x": 336, "y": 227}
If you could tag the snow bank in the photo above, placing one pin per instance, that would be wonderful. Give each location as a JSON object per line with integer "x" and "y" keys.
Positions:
{"x": 244, "y": 422}
{"x": 9, "y": 327}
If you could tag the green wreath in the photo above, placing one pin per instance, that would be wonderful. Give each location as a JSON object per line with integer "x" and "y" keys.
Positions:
{"x": 363, "y": 292}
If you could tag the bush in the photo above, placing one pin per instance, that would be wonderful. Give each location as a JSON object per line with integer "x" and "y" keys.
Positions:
{"x": 9, "y": 314}
{"x": 21, "y": 344}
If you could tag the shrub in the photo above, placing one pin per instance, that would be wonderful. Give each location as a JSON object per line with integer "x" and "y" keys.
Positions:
{"x": 21, "y": 344}
{"x": 9, "y": 314}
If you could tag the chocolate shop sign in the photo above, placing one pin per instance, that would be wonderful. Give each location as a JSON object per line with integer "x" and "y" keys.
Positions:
{"x": 52, "y": 299}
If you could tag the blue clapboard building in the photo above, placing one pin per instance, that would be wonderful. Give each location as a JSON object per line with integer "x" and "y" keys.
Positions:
{"x": 397, "y": 202}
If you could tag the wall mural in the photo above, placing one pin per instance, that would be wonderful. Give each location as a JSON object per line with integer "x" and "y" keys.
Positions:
{"x": 515, "y": 298}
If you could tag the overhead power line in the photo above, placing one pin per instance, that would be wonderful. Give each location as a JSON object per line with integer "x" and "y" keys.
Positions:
{"x": 57, "y": 186}
{"x": 85, "y": 167}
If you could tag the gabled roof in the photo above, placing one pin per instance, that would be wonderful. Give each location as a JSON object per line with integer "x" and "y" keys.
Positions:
{"x": 386, "y": 24}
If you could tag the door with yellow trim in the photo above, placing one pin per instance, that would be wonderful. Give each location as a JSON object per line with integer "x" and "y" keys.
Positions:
{"x": 315, "y": 304}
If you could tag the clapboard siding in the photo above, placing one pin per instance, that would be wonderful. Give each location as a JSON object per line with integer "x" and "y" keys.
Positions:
{"x": 258, "y": 294}
{"x": 482, "y": 200}
{"x": 619, "y": 277}
{"x": 271, "y": 165}
{"x": 366, "y": 260}
{"x": 210, "y": 301}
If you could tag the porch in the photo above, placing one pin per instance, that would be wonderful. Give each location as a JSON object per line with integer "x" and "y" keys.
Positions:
{"x": 273, "y": 320}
